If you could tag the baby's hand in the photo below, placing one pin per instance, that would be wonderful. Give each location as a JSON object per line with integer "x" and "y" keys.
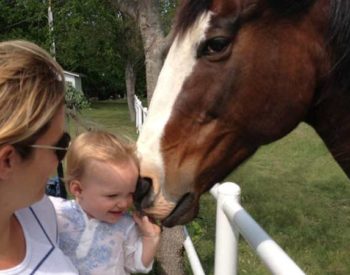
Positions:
{"x": 148, "y": 229}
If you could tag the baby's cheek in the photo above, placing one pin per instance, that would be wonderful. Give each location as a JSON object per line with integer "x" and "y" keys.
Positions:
{"x": 130, "y": 202}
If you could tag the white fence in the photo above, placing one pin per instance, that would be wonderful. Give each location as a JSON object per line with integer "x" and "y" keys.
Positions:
{"x": 233, "y": 220}
{"x": 140, "y": 113}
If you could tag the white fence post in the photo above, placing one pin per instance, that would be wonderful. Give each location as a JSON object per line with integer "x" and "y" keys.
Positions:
{"x": 271, "y": 254}
{"x": 140, "y": 113}
{"x": 195, "y": 263}
{"x": 226, "y": 239}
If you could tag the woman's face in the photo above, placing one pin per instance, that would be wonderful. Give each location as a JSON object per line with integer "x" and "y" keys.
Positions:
{"x": 34, "y": 172}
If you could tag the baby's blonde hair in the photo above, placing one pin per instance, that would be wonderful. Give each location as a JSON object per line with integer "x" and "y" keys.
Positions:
{"x": 97, "y": 145}
{"x": 31, "y": 91}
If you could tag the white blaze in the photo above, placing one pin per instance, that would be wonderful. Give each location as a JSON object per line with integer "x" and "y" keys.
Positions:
{"x": 177, "y": 67}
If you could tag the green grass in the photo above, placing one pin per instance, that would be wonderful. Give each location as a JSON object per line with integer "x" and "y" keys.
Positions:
{"x": 293, "y": 188}
{"x": 109, "y": 115}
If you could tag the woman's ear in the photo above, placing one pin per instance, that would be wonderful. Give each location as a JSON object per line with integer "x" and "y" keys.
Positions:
{"x": 75, "y": 188}
{"x": 7, "y": 161}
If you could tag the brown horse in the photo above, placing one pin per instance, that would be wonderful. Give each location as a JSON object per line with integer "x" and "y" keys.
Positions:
{"x": 240, "y": 74}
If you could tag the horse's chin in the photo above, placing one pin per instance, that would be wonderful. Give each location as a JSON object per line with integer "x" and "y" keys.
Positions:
{"x": 185, "y": 211}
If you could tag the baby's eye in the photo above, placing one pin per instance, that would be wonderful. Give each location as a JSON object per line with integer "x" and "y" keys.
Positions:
{"x": 112, "y": 195}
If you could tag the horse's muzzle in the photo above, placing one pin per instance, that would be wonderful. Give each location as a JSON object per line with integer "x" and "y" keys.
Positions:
{"x": 142, "y": 195}
{"x": 186, "y": 209}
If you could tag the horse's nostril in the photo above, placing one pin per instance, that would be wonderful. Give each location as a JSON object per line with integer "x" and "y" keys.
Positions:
{"x": 142, "y": 189}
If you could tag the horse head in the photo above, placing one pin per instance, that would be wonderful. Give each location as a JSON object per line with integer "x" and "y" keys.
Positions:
{"x": 239, "y": 74}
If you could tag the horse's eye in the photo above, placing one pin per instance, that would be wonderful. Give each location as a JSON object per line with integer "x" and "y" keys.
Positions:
{"x": 215, "y": 45}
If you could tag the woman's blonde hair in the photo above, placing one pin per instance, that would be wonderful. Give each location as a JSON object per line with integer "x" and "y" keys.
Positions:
{"x": 31, "y": 91}
{"x": 97, "y": 145}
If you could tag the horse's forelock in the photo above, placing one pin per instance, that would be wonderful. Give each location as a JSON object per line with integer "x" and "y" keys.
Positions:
{"x": 188, "y": 13}
{"x": 190, "y": 10}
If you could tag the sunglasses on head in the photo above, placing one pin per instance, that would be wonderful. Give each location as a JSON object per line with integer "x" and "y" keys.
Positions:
{"x": 60, "y": 147}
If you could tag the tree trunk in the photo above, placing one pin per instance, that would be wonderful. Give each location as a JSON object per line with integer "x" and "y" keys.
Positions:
{"x": 130, "y": 79}
{"x": 153, "y": 42}
{"x": 146, "y": 15}
{"x": 171, "y": 252}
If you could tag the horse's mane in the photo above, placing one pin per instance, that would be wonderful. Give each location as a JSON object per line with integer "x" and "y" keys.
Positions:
{"x": 191, "y": 9}
{"x": 339, "y": 40}
{"x": 290, "y": 7}
{"x": 338, "y": 36}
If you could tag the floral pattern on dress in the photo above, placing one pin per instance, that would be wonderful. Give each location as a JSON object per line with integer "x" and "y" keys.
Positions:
{"x": 105, "y": 248}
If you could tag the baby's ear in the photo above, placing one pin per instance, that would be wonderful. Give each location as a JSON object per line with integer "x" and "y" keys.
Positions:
{"x": 75, "y": 188}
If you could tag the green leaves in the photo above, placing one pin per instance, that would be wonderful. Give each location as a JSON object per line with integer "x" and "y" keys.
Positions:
{"x": 75, "y": 99}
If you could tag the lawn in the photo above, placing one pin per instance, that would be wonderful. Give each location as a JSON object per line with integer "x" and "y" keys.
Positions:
{"x": 293, "y": 188}
{"x": 112, "y": 116}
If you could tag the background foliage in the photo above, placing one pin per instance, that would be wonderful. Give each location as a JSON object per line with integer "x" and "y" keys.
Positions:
{"x": 91, "y": 39}
{"x": 75, "y": 99}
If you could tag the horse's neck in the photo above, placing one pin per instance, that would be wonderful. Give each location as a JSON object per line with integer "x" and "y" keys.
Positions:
{"x": 331, "y": 120}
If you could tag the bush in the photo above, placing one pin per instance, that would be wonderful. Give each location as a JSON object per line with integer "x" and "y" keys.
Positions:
{"x": 75, "y": 99}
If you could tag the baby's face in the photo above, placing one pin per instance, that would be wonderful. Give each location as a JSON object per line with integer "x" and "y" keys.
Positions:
{"x": 107, "y": 189}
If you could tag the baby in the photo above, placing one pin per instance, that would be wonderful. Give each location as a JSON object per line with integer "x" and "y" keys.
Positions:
{"x": 95, "y": 230}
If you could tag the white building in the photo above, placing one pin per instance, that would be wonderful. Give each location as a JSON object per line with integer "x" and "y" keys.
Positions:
{"x": 73, "y": 79}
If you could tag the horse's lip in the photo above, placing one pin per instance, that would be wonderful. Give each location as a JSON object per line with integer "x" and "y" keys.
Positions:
{"x": 183, "y": 212}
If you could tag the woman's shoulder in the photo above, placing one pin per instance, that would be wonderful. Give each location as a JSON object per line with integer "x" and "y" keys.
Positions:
{"x": 39, "y": 216}
{"x": 43, "y": 205}
{"x": 40, "y": 230}
{"x": 43, "y": 213}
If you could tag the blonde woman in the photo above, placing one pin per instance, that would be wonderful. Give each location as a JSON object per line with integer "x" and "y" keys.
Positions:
{"x": 32, "y": 142}
{"x": 95, "y": 230}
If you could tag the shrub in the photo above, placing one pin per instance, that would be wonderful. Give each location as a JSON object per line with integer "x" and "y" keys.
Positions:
{"x": 75, "y": 99}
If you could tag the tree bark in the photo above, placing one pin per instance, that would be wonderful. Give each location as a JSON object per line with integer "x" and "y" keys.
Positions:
{"x": 130, "y": 79}
{"x": 171, "y": 252}
{"x": 146, "y": 15}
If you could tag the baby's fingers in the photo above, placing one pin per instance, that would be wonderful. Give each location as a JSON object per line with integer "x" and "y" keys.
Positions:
{"x": 137, "y": 217}
{"x": 141, "y": 220}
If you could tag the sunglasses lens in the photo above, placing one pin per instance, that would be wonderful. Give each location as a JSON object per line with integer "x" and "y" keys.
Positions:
{"x": 60, "y": 154}
{"x": 63, "y": 143}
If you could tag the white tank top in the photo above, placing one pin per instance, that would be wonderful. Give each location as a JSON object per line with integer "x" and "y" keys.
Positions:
{"x": 42, "y": 253}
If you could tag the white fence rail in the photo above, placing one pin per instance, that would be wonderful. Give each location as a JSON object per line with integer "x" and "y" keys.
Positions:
{"x": 140, "y": 113}
{"x": 192, "y": 255}
{"x": 231, "y": 221}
